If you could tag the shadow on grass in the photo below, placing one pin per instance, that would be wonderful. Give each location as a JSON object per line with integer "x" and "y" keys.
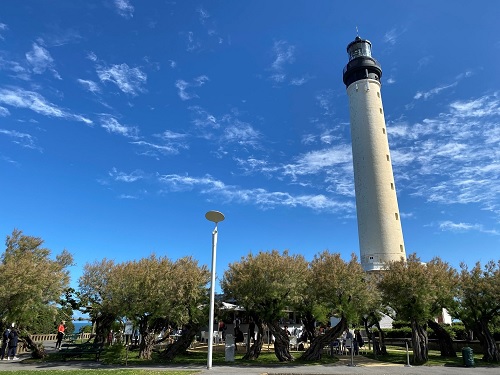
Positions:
{"x": 119, "y": 355}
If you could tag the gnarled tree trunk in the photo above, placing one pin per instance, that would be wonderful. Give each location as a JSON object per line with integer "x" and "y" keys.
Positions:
{"x": 490, "y": 349}
{"x": 255, "y": 348}
{"x": 381, "y": 349}
{"x": 102, "y": 327}
{"x": 37, "y": 350}
{"x": 309, "y": 332}
{"x": 315, "y": 350}
{"x": 419, "y": 342}
{"x": 281, "y": 343}
{"x": 445, "y": 341}
{"x": 182, "y": 344}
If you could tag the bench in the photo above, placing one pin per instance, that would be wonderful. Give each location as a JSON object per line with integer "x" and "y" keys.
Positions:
{"x": 71, "y": 338}
{"x": 74, "y": 350}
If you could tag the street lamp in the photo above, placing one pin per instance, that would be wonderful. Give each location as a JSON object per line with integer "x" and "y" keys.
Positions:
{"x": 216, "y": 217}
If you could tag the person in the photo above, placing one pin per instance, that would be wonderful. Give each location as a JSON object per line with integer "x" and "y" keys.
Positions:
{"x": 236, "y": 323}
{"x": 286, "y": 331}
{"x": 251, "y": 330}
{"x": 238, "y": 337}
{"x": 358, "y": 341}
{"x": 60, "y": 334}
{"x": 348, "y": 342}
{"x": 13, "y": 339}
{"x": 5, "y": 341}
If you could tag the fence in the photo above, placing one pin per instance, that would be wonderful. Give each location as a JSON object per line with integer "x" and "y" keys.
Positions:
{"x": 40, "y": 339}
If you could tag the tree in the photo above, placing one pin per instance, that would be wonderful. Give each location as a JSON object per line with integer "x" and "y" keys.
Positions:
{"x": 265, "y": 284}
{"x": 186, "y": 293}
{"x": 139, "y": 290}
{"x": 341, "y": 287}
{"x": 479, "y": 304}
{"x": 418, "y": 292}
{"x": 30, "y": 281}
{"x": 96, "y": 297}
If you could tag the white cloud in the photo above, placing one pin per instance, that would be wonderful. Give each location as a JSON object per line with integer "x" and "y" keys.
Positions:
{"x": 4, "y": 112}
{"x": 391, "y": 36}
{"x": 154, "y": 149}
{"x": 183, "y": 86}
{"x": 92, "y": 56}
{"x": 19, "y": 98}
{"x": 126, "y": 177}
{"x": 427, "y": 94}
{"x": 320, "y": 160}
{"x": 40, "y": 60}
{"x": 22, "y": 139}
{"x": 284, "y": 54}
{"x": 466, "y": 227}
{"x": 112, "y": 125}
{"x": 453, "y": 157}
{"x": 2, "y": 28}
{"x": 129, "y": 80}
{"x": 124, "y": 8}
{"x": 89, "y": 85}
{"x": 240, "y": 132}
{"x": 207, "y": 185}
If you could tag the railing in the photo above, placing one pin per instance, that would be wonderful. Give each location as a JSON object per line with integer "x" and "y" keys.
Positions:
{"x": 40, "y": 339}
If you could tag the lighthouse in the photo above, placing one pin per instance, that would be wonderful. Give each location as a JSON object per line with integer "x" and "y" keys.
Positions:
{"x": 379, "y": 222}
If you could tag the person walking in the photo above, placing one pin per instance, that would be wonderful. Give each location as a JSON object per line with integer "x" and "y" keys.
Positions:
{"x": 13, "y": 339}
{"x": 60, "y": 334}
{"x": 5, "y": 341}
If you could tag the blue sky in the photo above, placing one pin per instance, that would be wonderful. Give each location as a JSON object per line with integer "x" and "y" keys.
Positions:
{"x": 122, "y": 122}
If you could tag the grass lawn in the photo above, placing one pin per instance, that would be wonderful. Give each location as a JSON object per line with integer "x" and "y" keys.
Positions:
{"x": 118, "y": 355}
{"x": 396, "y": 354}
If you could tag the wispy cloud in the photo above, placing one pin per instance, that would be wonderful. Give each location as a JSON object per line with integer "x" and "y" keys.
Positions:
{"x": 209, "y": 186}
{"x": 171, "y": 143}
{"x": 22, "y": 139}
{"x": 391, "y": 36}
{"x": 237, "y": 131}
{"x": 202, "y": 118}
{"x": 3, "y": 27}
{"x": 129, "y": 80}
{"x": 124, "y": 8}
{"x": 466, "y": 227}
{"x": 126, "y": 177}
{"x": 4, "y": 112}
{"x": 89, "y": 85}
{"x": 453, "y": 157}
{"x": 112, "y": 125}
{"x": 284, "y": 53}
{"x": 40, "y": 60}
{"x": 183, "y": 86}
{"x": 20, "y": 98}
{"x": 436, "y": 90}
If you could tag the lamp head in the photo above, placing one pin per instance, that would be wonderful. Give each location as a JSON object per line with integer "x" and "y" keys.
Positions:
{"x": 214, "y": 216}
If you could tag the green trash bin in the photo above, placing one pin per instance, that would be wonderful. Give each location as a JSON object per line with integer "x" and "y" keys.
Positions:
{"x": 468, "y": 357}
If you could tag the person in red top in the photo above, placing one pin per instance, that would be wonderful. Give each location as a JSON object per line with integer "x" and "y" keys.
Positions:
{"x": 60, "y": 334}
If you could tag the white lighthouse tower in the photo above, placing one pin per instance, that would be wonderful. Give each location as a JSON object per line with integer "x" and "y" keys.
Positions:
{"x": 379, "y": 222}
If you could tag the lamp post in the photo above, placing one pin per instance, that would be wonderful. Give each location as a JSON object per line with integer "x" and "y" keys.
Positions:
{"x": 216, "y": 217}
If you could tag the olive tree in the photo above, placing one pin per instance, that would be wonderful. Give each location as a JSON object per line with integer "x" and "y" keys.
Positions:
{"x": 343, "y": 289}
{"x": 418, "y": 292}
{"x": 265, "y": 284}
{"x": 479, "y": 304}
{"x": 30, "y": 282}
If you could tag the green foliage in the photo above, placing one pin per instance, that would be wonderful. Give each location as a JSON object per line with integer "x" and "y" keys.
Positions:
{"x": 266, "y": 283}
{"x": 31, "y": 282}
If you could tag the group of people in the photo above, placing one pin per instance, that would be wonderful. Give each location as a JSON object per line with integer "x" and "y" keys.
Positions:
{"x": 10, "y": 339}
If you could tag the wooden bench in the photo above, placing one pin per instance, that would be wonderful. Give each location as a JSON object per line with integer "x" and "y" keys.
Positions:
{"x": 80, "y": 350}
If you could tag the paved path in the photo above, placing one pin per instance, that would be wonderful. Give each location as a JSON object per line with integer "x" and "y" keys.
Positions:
{"x": 363, "y": 365}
